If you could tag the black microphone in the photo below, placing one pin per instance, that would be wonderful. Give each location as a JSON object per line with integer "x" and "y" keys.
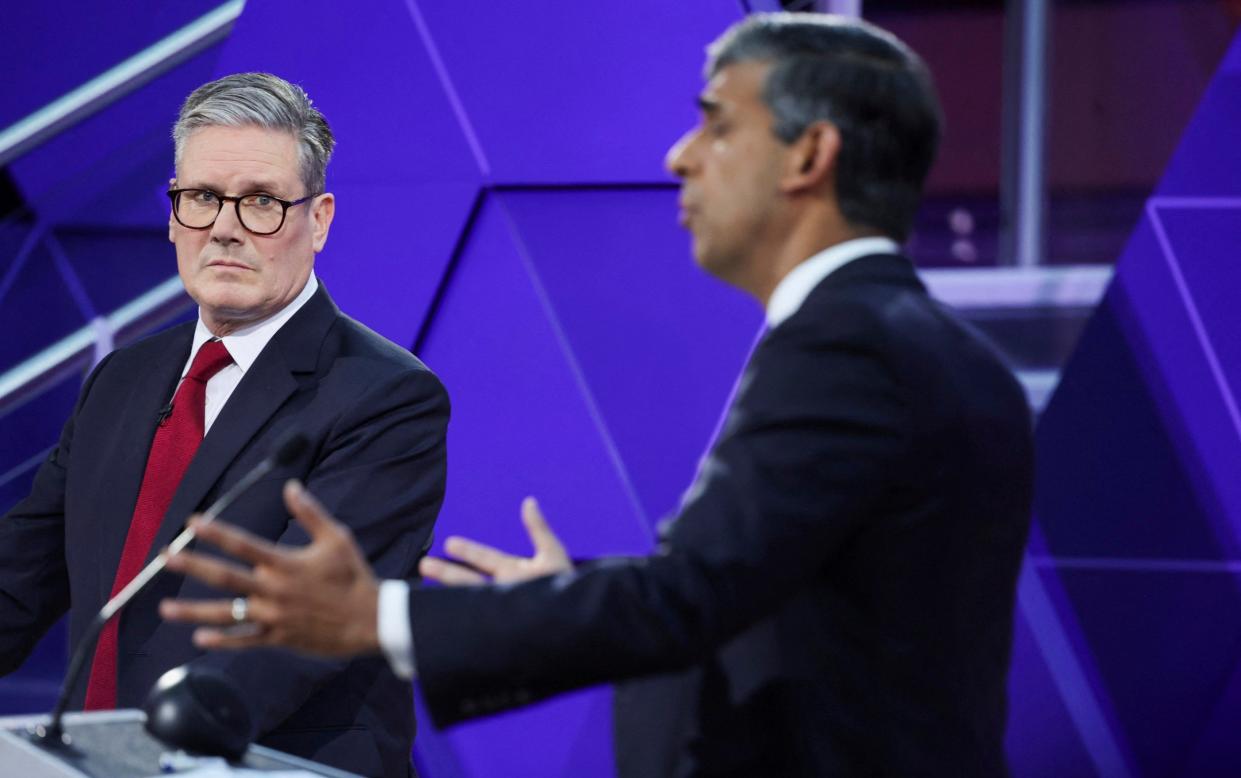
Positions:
{"x": 287, "y": 449}
{"x": 164, "y": 413}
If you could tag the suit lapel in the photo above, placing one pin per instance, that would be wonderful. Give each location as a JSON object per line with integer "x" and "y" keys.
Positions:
{"x": 148, "y": 393}
{"x": 267, "y": 385}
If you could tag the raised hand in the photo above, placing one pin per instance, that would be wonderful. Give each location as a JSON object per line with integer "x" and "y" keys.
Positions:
{"x": 319, "y": 599}
{"x": 483, "y": 563}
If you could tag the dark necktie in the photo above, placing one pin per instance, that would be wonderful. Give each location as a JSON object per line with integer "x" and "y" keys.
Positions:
{"x": 176, "y": 439}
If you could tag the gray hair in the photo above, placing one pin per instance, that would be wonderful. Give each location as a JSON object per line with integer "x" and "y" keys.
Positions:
{"x": 874, "y": 89}
{"x": 261, "y": 100}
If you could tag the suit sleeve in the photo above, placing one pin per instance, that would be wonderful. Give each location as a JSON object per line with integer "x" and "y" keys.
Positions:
{"x": 807, "y": 451}
{"x": 382, "y": 473}
{"x": 34, "y": 580}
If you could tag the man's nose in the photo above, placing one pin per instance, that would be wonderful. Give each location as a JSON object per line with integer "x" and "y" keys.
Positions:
{"x": 227, "y": 227}
{"x": 677, "y": 160}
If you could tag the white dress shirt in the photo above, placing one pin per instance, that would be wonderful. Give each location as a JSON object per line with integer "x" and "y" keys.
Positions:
{"x": 244, "y": 346}
{"x": 395, "y": 634}
{"x": 793, "y": 289}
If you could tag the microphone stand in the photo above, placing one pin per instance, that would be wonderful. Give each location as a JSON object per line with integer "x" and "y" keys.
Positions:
{"x": 52, "y": 734}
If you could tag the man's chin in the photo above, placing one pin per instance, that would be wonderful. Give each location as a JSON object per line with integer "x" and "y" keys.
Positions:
{"x": 706, "y": 260}
{"x": 238, "y": 304}
{"x": 227, "y": 297}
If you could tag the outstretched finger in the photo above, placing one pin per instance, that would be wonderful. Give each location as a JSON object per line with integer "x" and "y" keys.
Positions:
{"x": 212, "y": 612}
{"x": 217, "y": 639}
{"x": 308, "y": 511}
{"x": 449, "y": 574}
{"x": 545, "y": 541}
{"x": 214, "y": 572}
{"x": 480, "y": 556}
{"x": 237, "y": 542}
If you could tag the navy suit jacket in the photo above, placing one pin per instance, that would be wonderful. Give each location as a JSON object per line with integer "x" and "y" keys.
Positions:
{"x": 835, "y": 595}
{"x": 376, "y": 420}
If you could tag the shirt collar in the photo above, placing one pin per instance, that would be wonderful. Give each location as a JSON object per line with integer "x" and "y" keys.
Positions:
{"x": 245, "y": 345}
{"x": 793, "y": 289}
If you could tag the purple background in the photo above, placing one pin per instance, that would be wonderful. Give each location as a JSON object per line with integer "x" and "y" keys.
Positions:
{"x": 503, "y": 210}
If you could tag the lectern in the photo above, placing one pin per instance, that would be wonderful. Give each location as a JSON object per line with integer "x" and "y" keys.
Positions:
{"x": 114, "y": 744}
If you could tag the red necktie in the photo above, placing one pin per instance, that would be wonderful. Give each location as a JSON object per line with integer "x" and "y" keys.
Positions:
{"x": 176, "y": 439}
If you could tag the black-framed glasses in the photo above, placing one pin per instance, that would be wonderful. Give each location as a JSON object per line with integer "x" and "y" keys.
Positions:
{"x": 260, "y": 213}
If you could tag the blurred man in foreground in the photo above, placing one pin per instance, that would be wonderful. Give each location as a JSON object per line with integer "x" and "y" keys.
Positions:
{"x": 835, "y": 594}
{"x": 164, "y": 426}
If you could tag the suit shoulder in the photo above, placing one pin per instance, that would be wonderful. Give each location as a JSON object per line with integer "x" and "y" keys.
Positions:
{"x": 370, "y": 352}
{"x": 153, "y": 346}
{"x": 914, "y": 334}
{"x": 856, "y": 311}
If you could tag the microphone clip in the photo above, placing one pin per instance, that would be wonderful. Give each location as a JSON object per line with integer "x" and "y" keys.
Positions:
{"x": 164, "y": 413}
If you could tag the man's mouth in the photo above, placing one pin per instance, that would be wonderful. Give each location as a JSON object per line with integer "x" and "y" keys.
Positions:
{"x": 685, "y": 213}
{"x": 229, "y": 263}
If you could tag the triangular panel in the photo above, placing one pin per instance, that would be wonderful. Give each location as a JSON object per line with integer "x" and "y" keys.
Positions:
{"x": 659, "y": 342}
{"x": 576, "y": 92}
{"x": 403, "y": 173}
{"x": 523, "y": 424}
{"x": 1138, "y": 496}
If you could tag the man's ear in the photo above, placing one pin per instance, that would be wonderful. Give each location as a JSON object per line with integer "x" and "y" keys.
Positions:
{"x": 812, "y": 158}
{"x": 322, "y": 211}
{"x": 172, "y": 225}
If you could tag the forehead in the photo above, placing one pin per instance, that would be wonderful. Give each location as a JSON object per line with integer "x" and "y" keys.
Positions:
{"x": 739, "y": 85}
{"x": 231, "y": 155}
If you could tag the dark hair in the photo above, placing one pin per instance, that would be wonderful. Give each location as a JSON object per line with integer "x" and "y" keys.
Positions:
{"x": 873, "y": 88}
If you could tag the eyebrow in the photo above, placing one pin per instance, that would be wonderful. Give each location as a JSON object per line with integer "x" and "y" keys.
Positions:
{"x": 248, "y": 187}
{"x": 707, "y": 105}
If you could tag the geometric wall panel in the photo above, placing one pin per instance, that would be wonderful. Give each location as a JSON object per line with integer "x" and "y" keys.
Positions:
{"x": 569, "y": 92}
{"x": 1131, "y": 479}
{"x": 403, "y": 172}
{"x": 522, "y": 424}
{"x": 659, "y": 344}
{"x": 1042, "y": 739}
{"x": 374, "y": 79}
{"x": 1138, "y": 499}
{"x": 588, "y": 361}
{"x": 112, "y": 168}
{"x": 1166, "y": 643}
{"x": 389, "y": 246}
{"x": 51, "y": 48}
{"x": 29, "y": 287}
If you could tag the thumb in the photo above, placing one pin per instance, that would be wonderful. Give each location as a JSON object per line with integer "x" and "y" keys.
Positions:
{"x": 541, "y": 535}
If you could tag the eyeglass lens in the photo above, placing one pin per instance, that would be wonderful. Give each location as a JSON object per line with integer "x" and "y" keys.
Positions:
{"x": 260, "y": 213}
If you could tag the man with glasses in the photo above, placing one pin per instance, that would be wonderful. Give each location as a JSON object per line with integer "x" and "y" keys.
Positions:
{"x": 165, "y": 426}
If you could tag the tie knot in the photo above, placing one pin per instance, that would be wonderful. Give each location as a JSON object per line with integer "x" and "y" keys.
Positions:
{"x": 210, "y": 359}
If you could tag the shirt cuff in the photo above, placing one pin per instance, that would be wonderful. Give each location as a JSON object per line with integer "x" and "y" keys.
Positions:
{"x": 395, "y": 636}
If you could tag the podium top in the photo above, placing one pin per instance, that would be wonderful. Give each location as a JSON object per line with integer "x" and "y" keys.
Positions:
{"x": 115, "y": 744}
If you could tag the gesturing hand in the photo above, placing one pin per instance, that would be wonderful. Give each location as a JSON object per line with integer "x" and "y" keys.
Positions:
{"x": 483, "y": 563}
{"x": 319, "y": 599}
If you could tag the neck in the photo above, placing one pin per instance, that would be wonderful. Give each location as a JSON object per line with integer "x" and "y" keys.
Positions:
{"x": 809, "y": 236}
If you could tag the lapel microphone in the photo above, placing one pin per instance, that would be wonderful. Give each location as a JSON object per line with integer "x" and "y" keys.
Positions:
{"x": 164, "y": 413}
{"x": 287, "y": 449}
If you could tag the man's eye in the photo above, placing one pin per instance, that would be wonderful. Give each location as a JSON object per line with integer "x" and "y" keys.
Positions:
{"x": 261, "y": 201}
{"x": 204, "y": 197}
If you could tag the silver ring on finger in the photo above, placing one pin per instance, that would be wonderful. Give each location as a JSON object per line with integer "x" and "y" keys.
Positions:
{"x": 241, "y": 608}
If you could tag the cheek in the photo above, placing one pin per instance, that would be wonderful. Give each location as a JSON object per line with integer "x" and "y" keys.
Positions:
{"x": 189, "y": 247}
